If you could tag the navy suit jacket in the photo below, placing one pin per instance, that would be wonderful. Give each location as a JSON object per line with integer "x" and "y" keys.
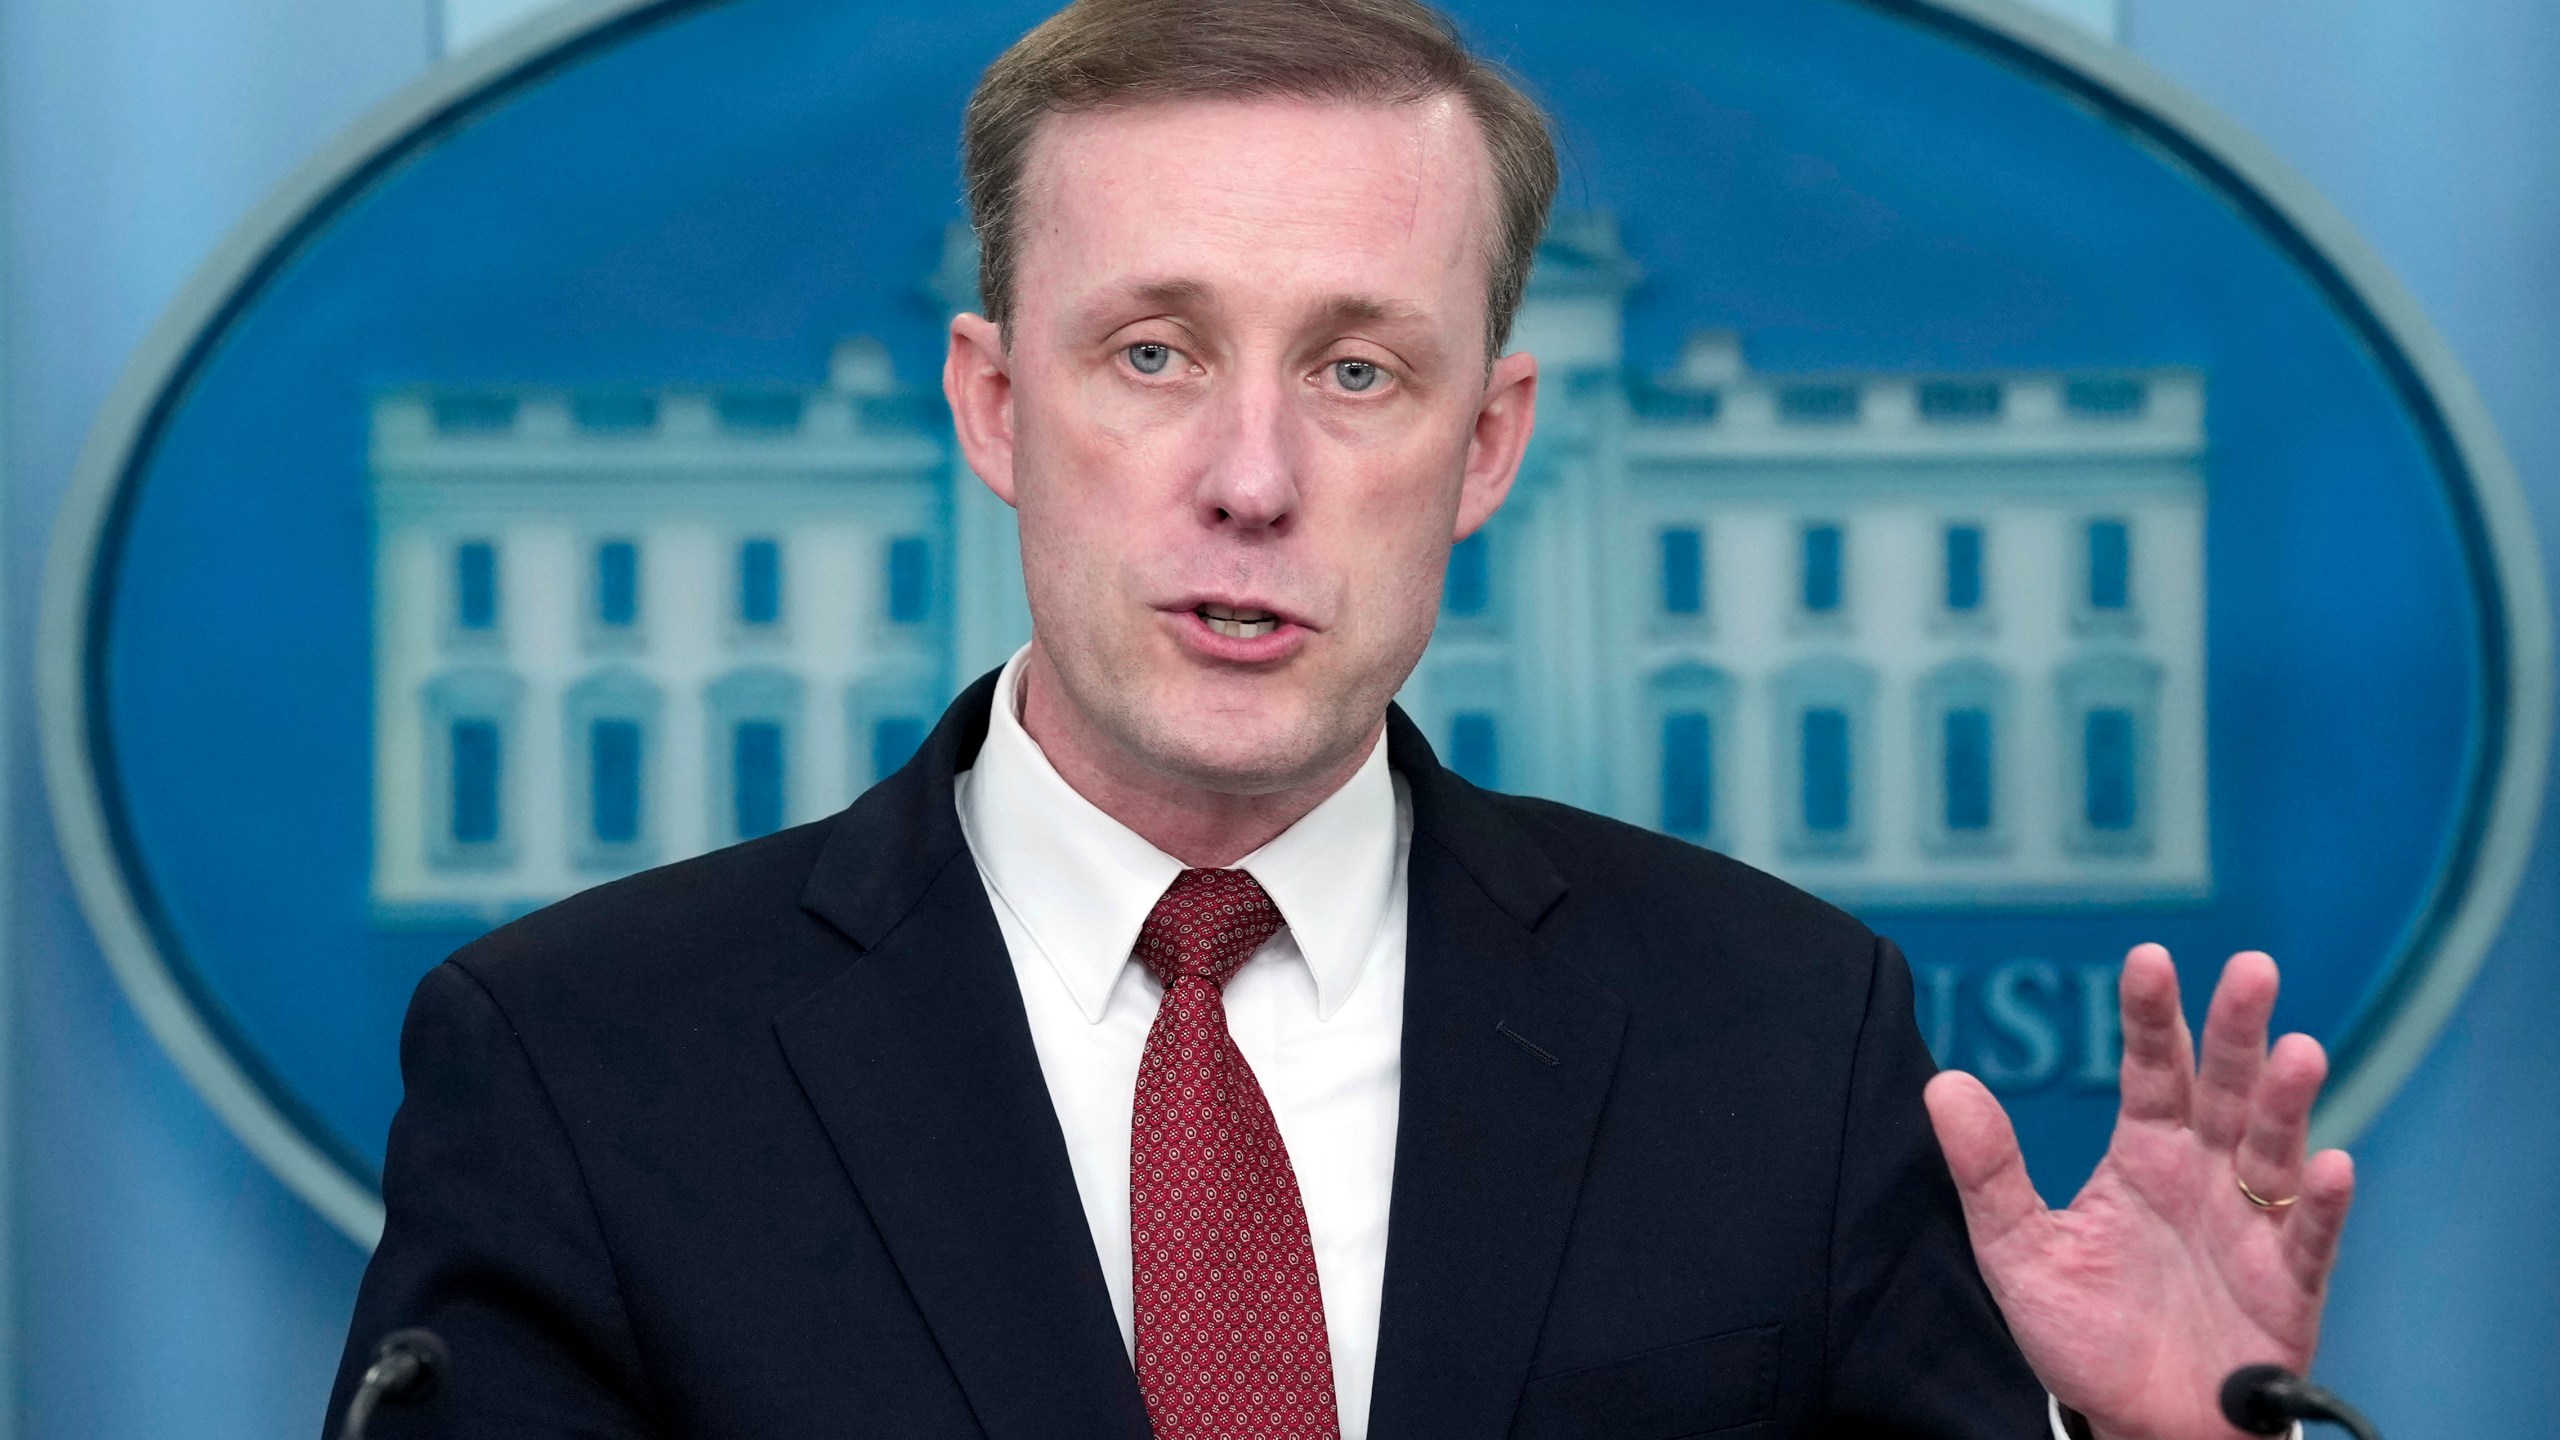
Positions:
{"x": 756, "y": 1146}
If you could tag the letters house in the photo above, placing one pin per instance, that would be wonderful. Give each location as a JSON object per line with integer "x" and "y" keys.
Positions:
{"x": 1902, "y": 638}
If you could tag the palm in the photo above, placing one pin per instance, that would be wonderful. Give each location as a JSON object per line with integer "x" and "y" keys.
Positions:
{"x": 2162, "y": 1277}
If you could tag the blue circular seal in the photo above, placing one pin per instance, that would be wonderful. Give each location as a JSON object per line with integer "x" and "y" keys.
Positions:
{"x": 1974, "y": 482}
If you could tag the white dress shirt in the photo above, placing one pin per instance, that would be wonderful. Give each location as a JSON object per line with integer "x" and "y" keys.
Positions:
{"x": 1318, "y": 1011}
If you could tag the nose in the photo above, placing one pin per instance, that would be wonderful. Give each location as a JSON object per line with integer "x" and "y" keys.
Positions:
{"x": 1250, "y": 483}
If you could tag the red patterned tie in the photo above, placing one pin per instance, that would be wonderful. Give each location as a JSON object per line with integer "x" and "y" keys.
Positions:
{"x": 1231, "y": 1340}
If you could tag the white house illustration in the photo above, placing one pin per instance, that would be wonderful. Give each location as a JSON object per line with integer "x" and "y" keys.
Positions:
{"x": 1904, "y": 639}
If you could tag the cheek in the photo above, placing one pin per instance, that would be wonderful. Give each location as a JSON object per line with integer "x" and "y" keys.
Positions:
{"x": 1091, "y": 512}
{"x": 1101, "y": 453}
{"x": 1063, "y": 518}
{"x": 1394, "y": 545}
{"x": 1071, "y": 467}
{"x": 1408, "y": 497}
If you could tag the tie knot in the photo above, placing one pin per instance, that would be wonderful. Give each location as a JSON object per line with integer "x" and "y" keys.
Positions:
{"x": 1208, "y": 923}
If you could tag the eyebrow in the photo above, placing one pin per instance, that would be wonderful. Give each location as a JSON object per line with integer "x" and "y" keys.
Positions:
{"x": 1369, "y": 307}
{"x": 1184, "y": 294}
{"x": 1170, "y": 294}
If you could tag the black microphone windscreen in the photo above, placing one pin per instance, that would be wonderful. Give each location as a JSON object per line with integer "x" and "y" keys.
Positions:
{"x": 2252, "y": 1399}
{"x": 417, "y": 1358}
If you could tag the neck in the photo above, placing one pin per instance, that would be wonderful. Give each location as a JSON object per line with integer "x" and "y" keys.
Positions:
{"x": 1198, "y": 825}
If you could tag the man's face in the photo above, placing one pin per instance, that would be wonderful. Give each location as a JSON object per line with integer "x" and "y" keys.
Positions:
{"x": 1243, "y": 411}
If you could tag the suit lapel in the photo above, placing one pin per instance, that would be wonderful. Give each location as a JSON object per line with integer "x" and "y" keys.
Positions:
{"x": 919, "y": 1062}
{"x": 1508, "y": 1056}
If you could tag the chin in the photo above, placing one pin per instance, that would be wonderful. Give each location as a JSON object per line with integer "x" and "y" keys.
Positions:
{"x": 1216, "y": 748}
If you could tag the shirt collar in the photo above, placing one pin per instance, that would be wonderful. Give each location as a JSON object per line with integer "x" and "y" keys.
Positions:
{"x": 1081, "y": 883}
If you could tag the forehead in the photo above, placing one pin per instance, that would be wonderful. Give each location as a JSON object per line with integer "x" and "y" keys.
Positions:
{"x": 1268, "y": 195}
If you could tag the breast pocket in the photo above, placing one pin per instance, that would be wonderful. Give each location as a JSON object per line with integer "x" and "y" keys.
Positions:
{"x": 1694, "y": 1388}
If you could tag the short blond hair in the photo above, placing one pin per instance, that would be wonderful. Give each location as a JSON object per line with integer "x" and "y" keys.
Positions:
{"x": 1096, "y": 54}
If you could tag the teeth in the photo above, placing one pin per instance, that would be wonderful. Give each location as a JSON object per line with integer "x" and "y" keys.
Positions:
{"x": 1241, "y": 624}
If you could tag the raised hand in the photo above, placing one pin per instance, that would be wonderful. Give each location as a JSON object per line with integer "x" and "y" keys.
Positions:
{"x": 2164, "y": 1275}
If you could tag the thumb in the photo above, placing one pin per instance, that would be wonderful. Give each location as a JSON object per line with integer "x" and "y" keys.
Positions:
{"x": 1982, "y": 1153}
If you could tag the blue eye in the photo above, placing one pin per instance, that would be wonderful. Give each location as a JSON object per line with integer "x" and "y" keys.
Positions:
{"x": 1148, "y": 358}
{"x": 1355, "y": 375}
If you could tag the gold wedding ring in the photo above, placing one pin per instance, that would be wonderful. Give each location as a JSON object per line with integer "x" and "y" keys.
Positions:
{"x": 2254, "y": 1198}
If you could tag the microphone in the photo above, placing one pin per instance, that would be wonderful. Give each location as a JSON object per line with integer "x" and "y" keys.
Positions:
{"x": 2268, "y": 1399}
{"x": 406, "y": 1366}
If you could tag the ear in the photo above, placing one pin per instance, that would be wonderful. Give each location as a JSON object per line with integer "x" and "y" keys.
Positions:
{"x": 977, "y": 378}
{"x": 1503, "y": 421}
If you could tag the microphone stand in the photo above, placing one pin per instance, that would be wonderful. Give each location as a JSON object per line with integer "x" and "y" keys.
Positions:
{"x": 405, "y": 1368}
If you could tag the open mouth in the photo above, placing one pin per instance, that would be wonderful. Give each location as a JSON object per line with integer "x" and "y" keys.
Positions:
{"x": 1240, "y": 624}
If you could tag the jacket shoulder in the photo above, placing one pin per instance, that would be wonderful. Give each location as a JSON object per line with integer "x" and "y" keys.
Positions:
{"x": 724, "y": 921}
{"x": 1627, "y": 862}
{"x": 1681, "y": 898}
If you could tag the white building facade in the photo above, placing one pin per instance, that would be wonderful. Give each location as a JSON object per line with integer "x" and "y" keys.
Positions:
{"x": 617, "y": 629}
{"x": 1904, "y": 639}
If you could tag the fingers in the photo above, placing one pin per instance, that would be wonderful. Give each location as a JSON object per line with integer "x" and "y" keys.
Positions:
{"x": 2159, "y": 1062}
{"x": 2235, "y": 1048}
{"x": 1982, "y": 1153}
{"x": 2279, "y": 1124}
{"x": 2312, "y": 1226}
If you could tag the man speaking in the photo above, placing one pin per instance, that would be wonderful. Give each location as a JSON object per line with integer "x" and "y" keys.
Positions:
{"x": 1174, "y": 1046}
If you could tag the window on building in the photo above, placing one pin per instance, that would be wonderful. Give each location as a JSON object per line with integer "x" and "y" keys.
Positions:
{"x": 475, "y": 585}
{"x": 476, "y": 773}
{"x": 474, "y": 414}
{"x": 609, "y": 724}
{"x": 1826, "y": 757}
{"x": 756, "y": 777}
{"x": 910, "y": 579}
{"x": 1964, "y": 568}
{"x": 1960, "y": 400}
{"x": 768, "y": 410}
{"x": 760, "y": 582}
{"x": 2108, "y": 770}
{"x": 1823, "y": 706}
{"x": 2110, "y": 565}
{"x": 1684, "y": 571}
{"x": 1469, "y": 589}
{"x": 2111, "y": 699}
{"x": 1963, "y": 705}
{"x": 1821, "y": 566}
{"x": 894, "y": 740}
{"x": 1967, "y": 758}
{"x": 613, "y": 781}
{"x": 1475, "y": 748}
{"x": 614, "y": 411}
{"x": 1689, "y": 706}
{"x": 2108, "y": 397}
{"x": 1672, "y": 403}
{"x": 1688, "y": 773}
{"x": 1818, "y": 404}
{"x": 465, "y": 736}
{"x": 617, "y": 583}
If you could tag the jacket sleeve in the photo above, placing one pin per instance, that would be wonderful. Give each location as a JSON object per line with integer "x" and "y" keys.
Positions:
{"x": 491, "y": 1241}
{"x": 1916, "y": 1345}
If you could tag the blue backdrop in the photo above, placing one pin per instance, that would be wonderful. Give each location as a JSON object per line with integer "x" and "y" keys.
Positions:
{"x": 139, "y": 1223}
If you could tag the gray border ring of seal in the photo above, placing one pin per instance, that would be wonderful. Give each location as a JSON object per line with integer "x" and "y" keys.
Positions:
{"x": 2435, "y": 961}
